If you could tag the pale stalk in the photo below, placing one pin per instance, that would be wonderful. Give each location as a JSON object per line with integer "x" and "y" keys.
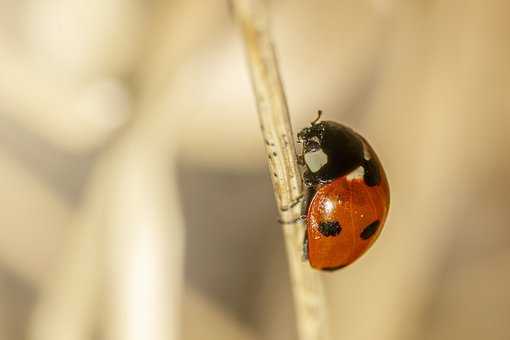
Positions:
{"x": 282, "y": 161}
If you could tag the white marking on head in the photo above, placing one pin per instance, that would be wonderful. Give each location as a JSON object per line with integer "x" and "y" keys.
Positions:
{"x": 315, "y": 160}
{"x": 357, "y": 173}
{"x": 366, "y": 153}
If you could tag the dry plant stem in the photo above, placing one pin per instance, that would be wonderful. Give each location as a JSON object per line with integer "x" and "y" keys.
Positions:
{"x": 287, "y": 183}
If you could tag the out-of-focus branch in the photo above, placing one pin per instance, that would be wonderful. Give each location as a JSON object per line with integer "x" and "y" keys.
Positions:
{"x": 128, "y": 248}
{"x": 287, "y": 183}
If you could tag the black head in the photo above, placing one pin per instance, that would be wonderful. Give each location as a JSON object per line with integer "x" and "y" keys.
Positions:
{"x": 330, "y": 150}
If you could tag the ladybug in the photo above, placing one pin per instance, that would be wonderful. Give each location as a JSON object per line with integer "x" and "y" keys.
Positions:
{"x": 347, "y": 194}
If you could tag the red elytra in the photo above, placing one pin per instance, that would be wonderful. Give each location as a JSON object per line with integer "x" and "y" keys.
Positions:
{"x": 357, "y": 213}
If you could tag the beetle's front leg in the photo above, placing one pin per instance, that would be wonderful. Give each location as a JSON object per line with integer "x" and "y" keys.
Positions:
{"x": 305, "y": 246}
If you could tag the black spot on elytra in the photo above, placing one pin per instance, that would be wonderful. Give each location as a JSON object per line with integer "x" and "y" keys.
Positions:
{"x": 372, "y": 176}
{"x": 370, "y": 230}
{"x": 331, "y": 228}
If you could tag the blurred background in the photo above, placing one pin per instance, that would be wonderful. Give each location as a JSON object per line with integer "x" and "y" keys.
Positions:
{"x": 135, "y": 199}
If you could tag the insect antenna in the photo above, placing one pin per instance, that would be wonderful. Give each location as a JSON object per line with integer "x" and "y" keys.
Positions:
{"x": 319, "y": 115}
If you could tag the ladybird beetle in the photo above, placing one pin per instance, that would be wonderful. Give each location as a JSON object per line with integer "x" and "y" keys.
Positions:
{"x": 347, "y": 194}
